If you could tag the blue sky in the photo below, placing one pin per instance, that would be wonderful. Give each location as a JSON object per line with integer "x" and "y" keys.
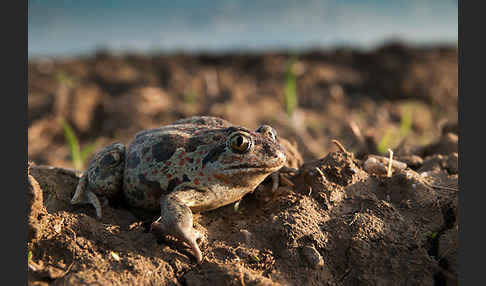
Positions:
{"x": 71, "y": 27}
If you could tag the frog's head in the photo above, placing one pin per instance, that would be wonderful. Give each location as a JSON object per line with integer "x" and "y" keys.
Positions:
{"x": 105, "y": 171}
{"x": 246, "y": 158}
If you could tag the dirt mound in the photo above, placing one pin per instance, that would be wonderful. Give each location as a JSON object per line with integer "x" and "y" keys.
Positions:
{"x": 339, "y": 225}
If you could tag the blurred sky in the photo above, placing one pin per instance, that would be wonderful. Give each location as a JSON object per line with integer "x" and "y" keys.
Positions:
{"x": 72, "y": 27}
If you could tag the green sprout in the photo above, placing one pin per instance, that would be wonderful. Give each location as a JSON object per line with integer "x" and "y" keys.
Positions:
{"x": 391, "y": 136}
{"x": 433, "y": 235}
{"x": 406, "y": 122}
{"x": 291, "y": 100}
{"x": 78, "y": 155}
{"x": 190, "y": 97}
{"x": 385, "y": 142}
{"x": 65, "y": 79}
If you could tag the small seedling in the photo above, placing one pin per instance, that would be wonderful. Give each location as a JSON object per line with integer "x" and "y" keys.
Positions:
{"x": 433, "y": 235}
{"x": 78, "y": 155}
{"x": 64, "y": 79}
{"x": 190, "y": 97}
{"x": 406, "y": 122}
{"x": 392, "y": 136}
{"x": 385, "y": 141}
{"x": 291, "y": 100}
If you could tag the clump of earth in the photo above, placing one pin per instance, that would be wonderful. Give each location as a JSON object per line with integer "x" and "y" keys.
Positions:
{"x": 334, "y": 221}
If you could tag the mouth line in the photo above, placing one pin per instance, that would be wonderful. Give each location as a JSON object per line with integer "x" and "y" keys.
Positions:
{"x": 252, "y": 167}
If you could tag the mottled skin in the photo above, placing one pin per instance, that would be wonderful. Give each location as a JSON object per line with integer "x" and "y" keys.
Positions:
{"x": 193, "y": 165}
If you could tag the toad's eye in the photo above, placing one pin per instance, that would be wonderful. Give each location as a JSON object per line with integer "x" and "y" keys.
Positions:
{"x": 111, "y": 160}
{"x": 240, "y": 143}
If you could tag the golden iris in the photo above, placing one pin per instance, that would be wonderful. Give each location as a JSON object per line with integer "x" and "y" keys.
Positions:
{"x": 240, "y": 143}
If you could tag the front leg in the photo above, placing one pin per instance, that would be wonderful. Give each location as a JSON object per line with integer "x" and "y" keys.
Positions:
{"x": 102, "y": 178}
{"x": 176, "y": 220}
{"x": 84, "y": 195}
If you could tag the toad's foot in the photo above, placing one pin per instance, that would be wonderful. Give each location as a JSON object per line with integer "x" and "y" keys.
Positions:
{"x": 85, "y": 196}
{"x": 275, "y": 176}
{"x": 176, "y": 220}
{"x": 277, "y": 179}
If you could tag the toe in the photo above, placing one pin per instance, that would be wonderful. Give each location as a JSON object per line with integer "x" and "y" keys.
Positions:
{"x": 95, "y": 202}
{"x": 196, "y": 251}
{"x": 275, "y": 181}
{"x": 190, "y": 236}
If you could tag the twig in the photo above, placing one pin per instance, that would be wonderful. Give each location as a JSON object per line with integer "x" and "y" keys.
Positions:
{"x": 339, "y": 145}
{"x": 390, "y": 161}
{"x": 321, "y": 173}
{"x": 439, "y": 186}
{"x": 356, "y": 132}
